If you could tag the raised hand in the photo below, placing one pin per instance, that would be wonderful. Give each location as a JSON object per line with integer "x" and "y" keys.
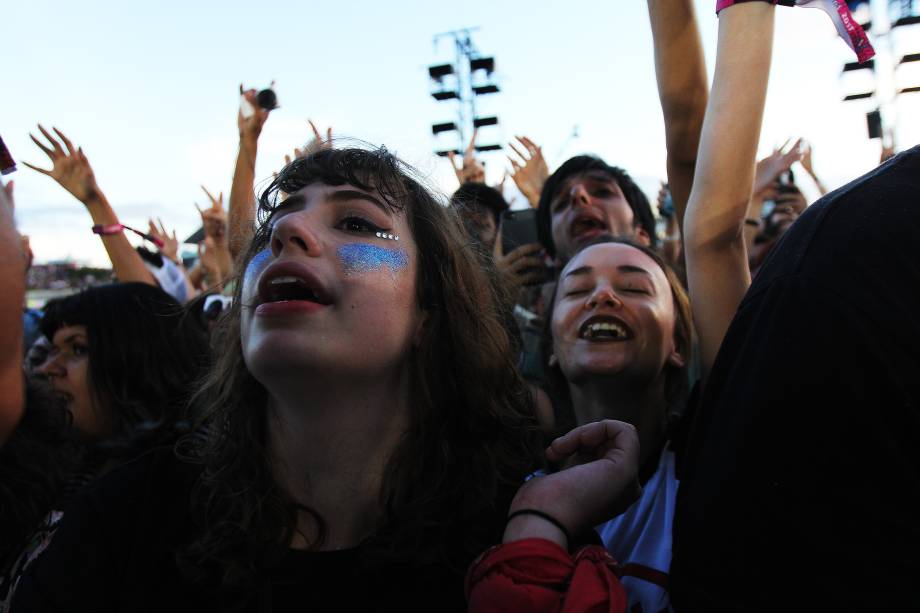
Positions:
{"x": 209, "y": 260}
{"x": 600, "y": 481}
{"x": 170, "y": 243}
{"x": 775, "y": 164}
{"x": 531, "y": 172}
{"x": 250, "y": 124}
{"x": 69, "y": 166}
{"x": 519, "y": 267}
{"x": 214, "y": 217}
{"x": 471, "y": 170}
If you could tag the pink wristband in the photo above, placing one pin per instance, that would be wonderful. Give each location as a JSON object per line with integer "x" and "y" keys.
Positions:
{"x": 115, "y": 228}
{"x": 108, "y": 230}
{"x": 850, "y": 31}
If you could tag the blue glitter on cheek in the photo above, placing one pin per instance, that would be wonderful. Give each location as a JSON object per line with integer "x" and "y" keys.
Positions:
{"x": 256, "y": 264}
{"x": 362, "y": 257}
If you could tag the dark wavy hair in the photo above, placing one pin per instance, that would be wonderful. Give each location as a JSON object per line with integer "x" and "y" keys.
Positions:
{"x": 471, "y": 439}
{"x": 480, "y": 196}
{"x": 677, "y": 382}
{"x": 145, "y": 355}
{"x": 638, "y": 202}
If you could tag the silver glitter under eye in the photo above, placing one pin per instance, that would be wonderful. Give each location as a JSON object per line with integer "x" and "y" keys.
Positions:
{"x": 391, "y": 237}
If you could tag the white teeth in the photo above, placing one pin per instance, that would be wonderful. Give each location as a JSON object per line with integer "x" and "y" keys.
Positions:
{"x": 592, "y": 330}
{"x": 281, "y": 280}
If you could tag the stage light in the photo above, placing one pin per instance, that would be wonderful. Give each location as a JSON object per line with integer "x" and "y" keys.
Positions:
{"x": 444, "y": 95}
{"x": 440, "y": 71}
{"x": 874, "y": 123}
{"x": 480, "y": 122}
{"x": 488, "y": 147}
{"x": 480, "y": 90}
{"x": 851, "y": 66}
{"x": 447, "y": 152}
{"x": 859, "y": 96}
{"x": 443, "y": 127}
{"x": 483, "y": 63}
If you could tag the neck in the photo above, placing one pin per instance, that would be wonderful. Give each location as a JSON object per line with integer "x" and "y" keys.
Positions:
{"x": 639, "y": 403}
{"x": 329, "y": 443}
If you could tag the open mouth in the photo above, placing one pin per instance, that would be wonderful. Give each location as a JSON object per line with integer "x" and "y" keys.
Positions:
{"x": 604, "y": 329}
{"x": 291, "y": 282}
{"x": 587, "y": 227}
{"x": 285, "y": 288}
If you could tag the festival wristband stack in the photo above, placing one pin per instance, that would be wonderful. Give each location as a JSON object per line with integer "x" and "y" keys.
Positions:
{"x": 115, "y": 228}
{"x": 850, "y": 31}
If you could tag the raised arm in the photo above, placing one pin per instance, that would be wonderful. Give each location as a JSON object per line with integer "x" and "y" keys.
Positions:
{"x": 717, "y": 268}
{"x": 682, "y": 88}
{"x": 13, "y": 273}
{"x": 241, "y": 215}
{"x": 72, "y": 171}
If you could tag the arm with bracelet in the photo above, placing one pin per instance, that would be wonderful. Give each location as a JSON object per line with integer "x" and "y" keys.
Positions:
{"x": 72, "y": 171}
{"x": 534, "y": 569}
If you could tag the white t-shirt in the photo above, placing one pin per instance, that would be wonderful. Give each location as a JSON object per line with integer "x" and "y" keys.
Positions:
{"x": 640, "y": 540}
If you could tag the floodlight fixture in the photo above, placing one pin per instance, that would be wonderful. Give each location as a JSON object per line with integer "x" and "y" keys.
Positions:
{"x": 909, "y": 90}
{"x": 481, "y": 148}
{"x": 910, "y": 57}
{"x": 874, "y": 123}
{"x": 447, "y": 152}
{"x": 862, "y": 96}
{"x": 909, "y": 20}
{"x": 445, "y": 95}
{"x": 440, "y": 71}
{"x": 482, "y": 63}
{"x": 480, "y": 122}
{"x": 851, "y": 66}
{"x": 443, "y": 127}
{"x": 481, "y": 90}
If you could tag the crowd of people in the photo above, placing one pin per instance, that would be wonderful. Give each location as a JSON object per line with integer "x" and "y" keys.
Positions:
{"x": 361, "y": 395}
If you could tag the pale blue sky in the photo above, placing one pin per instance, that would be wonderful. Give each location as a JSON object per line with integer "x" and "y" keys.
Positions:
{"x": 150, "y": 91}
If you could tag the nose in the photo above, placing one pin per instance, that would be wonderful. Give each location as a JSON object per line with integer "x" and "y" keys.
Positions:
{"x": 604, "y": 295}
{"x": 295, "y": 232}
{"x": 578, "y": 195}
{"x": 51, "y": 367}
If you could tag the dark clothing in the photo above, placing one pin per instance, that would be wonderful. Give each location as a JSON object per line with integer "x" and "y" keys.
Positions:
{"x": 801, "y": 478}
{"x": 115, "y": 550}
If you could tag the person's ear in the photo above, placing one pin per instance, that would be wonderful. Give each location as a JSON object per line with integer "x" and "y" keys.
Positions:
{"x": 642, "y": 237}
{"x": 677, "y": 358}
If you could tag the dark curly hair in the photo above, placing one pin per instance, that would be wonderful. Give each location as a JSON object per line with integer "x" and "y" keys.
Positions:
{"x": 472, "y": 437}
{"x": 145, "y": 354}
{"x": 638, "y": 202}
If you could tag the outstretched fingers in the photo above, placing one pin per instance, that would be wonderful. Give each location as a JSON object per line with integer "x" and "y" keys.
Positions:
{"x": 65, "y": 140}
{"x": 36, "y": 168}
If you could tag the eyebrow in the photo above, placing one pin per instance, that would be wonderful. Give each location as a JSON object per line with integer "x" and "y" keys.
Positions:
{"x": 71, "y": 338}
{"x": 594, "y": 175}
{"x": 625, "y": 268}
{"x": 342, "y": 195}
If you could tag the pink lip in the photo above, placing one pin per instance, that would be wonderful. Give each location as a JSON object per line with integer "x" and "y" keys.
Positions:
{"x": 288, "y": 307}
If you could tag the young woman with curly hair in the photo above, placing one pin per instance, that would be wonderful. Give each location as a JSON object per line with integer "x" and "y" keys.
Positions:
{"x": 362, "y": 430}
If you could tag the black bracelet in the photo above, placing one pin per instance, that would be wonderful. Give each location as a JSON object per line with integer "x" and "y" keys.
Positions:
{"x": 545, "y": 516}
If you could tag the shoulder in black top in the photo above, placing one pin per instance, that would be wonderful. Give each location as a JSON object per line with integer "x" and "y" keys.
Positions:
{"x": 802, "y": 470}
{"x": 115, "y": 551}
